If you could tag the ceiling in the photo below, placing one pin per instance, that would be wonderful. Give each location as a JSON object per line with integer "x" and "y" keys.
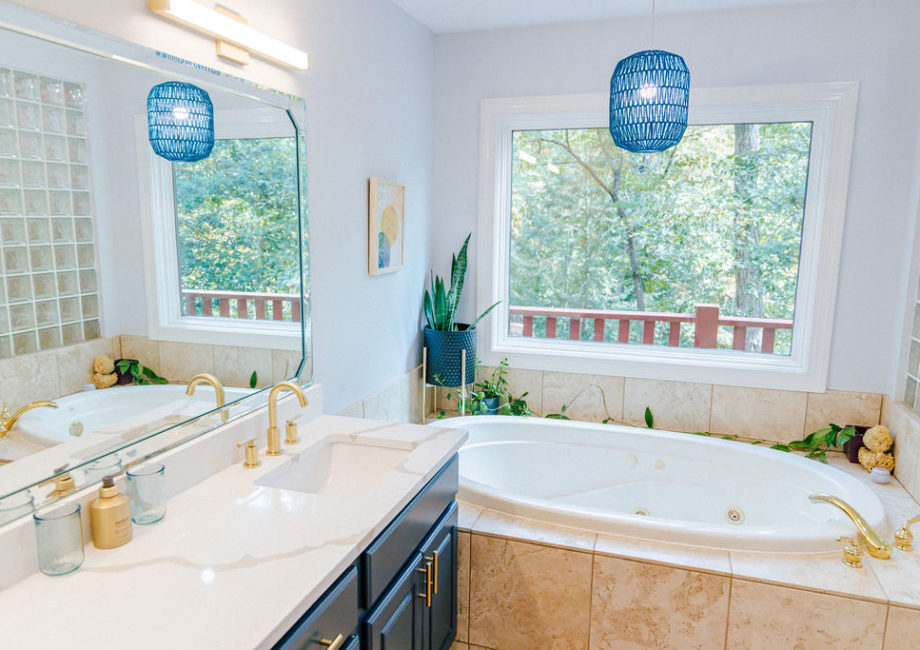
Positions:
{"x": 443, "y": 16}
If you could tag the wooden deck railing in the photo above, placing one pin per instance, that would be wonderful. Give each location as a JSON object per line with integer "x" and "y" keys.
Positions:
{"x": 706, "y": 321}
{"x": 266, "y": 306}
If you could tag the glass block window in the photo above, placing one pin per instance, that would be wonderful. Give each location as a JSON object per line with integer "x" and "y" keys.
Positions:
{"x": 48, "y": 292}
{"x": 911, "y": 394}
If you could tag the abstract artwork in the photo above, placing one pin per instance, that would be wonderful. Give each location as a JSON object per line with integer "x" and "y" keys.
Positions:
{"x": 386, "y": 225}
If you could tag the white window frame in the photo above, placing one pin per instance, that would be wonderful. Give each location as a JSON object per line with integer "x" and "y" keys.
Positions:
{"x": 165, "y": 321}
{"x": 830, "y": 107}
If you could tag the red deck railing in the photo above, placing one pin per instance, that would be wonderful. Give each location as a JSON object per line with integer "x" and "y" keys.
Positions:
{"x": 266, "y": 306}
{"x": 706, "y": 321}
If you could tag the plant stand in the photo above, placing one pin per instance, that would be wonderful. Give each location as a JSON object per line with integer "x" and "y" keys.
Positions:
{"x": 461, "y": 390}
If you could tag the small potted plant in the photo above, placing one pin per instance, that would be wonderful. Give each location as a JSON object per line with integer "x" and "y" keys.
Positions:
{"x": 132, "y": 371}
{"x": 487, "y": 394}
{"x": 445, "y": 338}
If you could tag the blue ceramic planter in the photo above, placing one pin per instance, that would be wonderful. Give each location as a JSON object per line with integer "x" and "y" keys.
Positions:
{"x": 444, "y": 356}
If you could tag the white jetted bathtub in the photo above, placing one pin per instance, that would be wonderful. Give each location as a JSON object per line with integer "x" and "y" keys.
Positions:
{"x": 657, "y": 485}
{"x": 118, "y": 410}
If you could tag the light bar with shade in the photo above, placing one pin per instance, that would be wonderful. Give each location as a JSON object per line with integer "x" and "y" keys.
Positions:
{"x": 214, "y": 23}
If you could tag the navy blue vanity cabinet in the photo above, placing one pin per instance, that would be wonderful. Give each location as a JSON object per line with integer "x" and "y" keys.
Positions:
{"x": 439, "y": 555}
{"x": 331, "y": 622}
{"x": 396, "y": 622}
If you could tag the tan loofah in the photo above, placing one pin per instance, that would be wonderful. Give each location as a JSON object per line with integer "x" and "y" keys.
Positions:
{"x": 869, "y": 459}
{"x": 104, "y": 365}
{"x": 878, "y": 439}
{"x": 104, "y": 380}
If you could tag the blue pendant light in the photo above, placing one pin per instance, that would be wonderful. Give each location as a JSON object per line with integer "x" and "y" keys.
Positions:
{"x": 180, "y": 121}
{"x": 649, "y": 96}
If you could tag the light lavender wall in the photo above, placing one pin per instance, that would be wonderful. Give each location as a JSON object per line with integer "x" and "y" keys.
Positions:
{"x": 369, "y": 100}
{"x": 871, "y": 42}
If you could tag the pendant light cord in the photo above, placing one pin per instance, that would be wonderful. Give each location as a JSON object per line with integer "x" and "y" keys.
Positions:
{"x": 652, "y": 35}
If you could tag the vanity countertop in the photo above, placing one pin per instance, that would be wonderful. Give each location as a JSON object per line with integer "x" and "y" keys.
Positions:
{"x": 233, "y": 564}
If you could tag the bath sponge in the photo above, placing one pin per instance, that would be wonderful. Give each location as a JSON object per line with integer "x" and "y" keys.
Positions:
{"x": 104, "y": 381}
{"x": 878, "y": 439}
{"x": 104, "y": 365}
{"x": 870, "y": 459}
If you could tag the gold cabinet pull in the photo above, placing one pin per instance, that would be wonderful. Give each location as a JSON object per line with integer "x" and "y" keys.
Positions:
{"x": 427, "y": 594}
{"x": 434, "y": 560}
{"x": 335, "y": 644}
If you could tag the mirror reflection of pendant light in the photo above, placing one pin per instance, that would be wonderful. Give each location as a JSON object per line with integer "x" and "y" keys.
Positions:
{"x": 649, "y": 97}
{"x": 180, "y": 121}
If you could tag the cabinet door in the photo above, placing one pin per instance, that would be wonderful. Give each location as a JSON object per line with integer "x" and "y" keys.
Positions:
{"x": 335, "y": 613}
{"x": 440, "y": 550}
{"x": 396, "y": 622}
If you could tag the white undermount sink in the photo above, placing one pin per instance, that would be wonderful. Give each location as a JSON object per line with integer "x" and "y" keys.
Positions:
{"x": 339, "y": 466}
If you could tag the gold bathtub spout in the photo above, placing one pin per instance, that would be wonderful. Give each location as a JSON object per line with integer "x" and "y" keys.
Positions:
{"x": 7, "y": 421}
{"x": 877, "y": 546}
{"x": 215, "y": 383}
{"x": 274, "y": 434}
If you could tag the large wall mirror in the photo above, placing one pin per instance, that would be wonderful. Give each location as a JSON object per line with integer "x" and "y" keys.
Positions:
{"x": 127, "y": 280}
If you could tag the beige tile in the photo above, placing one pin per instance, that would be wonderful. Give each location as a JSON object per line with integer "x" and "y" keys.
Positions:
{"x": 391, "y": 403}
{"x": 768, "y": 616}
{"x": 638, "y": 605}
{"x": 675, "y": 405}
{"x": 905, "y": 428}
{"x": 234, "y": 366}
{"x": 686, "y": 557}
{"x": 284, "y": 365}
{"x": 758, "y": 413}
{"x": 75, "y": 363}
{"x": 591, "y": 398}
{"x": 842, "y": 407}
{"x": 528, "y": 596}
{"x": 468, "y": 514}
{"x": 900, "y": 575}
{"x": 522, "y": 381}
{"x": 902, "y": 631}
{"x": 142, "y": 349}
{"x": 491, "y": 522}
{"x": 29, "y": 378}
{"x": 179, "y": 362}
{"x": 463, "y": 586}
{"x": 415, "y": 394}
{"x": 356, "y": 410}
{"x": 814, "y": 571}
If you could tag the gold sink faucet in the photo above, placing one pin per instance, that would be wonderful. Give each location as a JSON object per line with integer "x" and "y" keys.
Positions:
{"x": 274, "y": 433}
{"x": 7, "y": 421}
{"x": 205, "y": 378}
{"x": 877, "y": 546}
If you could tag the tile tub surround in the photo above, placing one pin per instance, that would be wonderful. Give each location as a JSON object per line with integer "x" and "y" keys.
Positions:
{"x": 62, "y": 371}
{"x": 398, "y": 401}
{"x": 642, "y": 594}
{"x": 225, "y": 547}
{"x": 774, "y": 415}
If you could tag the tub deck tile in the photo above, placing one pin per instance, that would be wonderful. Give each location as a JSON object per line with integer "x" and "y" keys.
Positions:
{"x": 495, "y": 523}
{"x": 673, "y": 555}
{"x": 821, "y": 572}
{"x": 468, "y": 514}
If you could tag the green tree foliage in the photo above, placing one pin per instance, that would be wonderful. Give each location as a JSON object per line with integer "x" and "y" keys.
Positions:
{"x": 236, "y": 217}
{"x": 716, "y": 219}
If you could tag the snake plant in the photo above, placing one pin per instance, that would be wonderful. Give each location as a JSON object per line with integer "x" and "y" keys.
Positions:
{"x": 441, "y": 301}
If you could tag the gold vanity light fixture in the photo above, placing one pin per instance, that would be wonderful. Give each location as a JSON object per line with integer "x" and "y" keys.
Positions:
{"x": 226, "y": 26}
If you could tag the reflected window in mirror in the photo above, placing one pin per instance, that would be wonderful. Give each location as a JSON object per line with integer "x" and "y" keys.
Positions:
{"x": 236, "y": 231}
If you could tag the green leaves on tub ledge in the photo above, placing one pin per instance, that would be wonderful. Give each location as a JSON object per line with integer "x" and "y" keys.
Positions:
{"x": 817, "y": 443}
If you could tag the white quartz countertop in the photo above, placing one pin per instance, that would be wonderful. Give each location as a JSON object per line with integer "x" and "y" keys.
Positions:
{"x": 232, "y": 565}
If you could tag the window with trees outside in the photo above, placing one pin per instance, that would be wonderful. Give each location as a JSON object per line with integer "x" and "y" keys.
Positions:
{"x": 696, "y": 246}
{"x": 713, "y": 261}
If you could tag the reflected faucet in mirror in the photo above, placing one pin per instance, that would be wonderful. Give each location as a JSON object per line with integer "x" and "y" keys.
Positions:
{"x": 215, "y": 383}
{"x": 877, "y": 546}
{"x": 7, "y": 421}
{"x": 274, "y": 433}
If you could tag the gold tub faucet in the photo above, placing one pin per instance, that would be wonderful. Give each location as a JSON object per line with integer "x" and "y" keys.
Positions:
{"x": 877, "y": 546}
{"x": 7, "y": 421}
{"x": 205, "y": 378}
{"x": 904, "y": 539}
{"x": 274, "y": 433}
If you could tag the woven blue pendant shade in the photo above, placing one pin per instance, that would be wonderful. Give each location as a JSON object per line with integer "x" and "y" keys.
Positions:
{"x": 180, "y": 121}
{"x": 649, "y": 95}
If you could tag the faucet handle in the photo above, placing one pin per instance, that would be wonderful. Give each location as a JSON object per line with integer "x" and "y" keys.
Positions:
{"x": 852, "y": 553}
{"x": 252, "y": 453}
{"x": 903, "y": 539}
{"x": 290, "y": 431}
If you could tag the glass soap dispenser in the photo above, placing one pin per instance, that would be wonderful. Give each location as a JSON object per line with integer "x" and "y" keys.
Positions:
{"x": 110, "y": 516}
